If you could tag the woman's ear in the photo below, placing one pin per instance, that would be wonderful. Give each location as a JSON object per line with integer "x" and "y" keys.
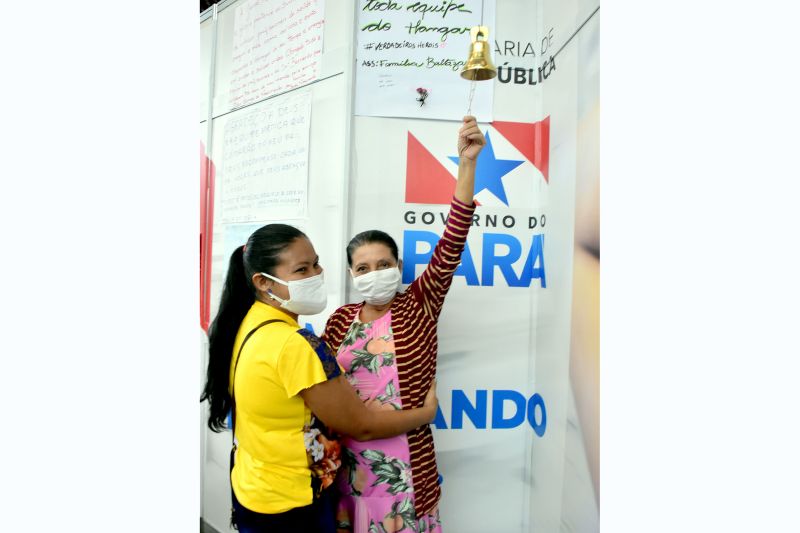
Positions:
{"x": 400, "y": 265}
{"x": 261, "y": 282}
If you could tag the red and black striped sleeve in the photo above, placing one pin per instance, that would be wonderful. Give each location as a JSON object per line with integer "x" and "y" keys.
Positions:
{"x": 432, "y": 285}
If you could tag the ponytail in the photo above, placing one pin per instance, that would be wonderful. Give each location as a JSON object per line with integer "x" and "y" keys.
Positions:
{"x": 237, "y": 298}
{"x": 260, "y": 254}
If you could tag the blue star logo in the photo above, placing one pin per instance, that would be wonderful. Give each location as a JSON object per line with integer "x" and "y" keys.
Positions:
{"x": 490, "y": 171}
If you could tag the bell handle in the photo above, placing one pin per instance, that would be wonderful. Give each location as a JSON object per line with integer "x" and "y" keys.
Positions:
{"x": 475, "y": 31}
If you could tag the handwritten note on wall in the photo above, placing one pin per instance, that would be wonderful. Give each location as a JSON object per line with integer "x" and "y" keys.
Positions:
{"x": 277, "y": 46}
{"x": 407, "y": 45}
{"x": 265, "y": 161}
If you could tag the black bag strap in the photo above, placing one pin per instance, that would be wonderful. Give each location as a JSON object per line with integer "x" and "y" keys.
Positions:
{"x": 233, "y": 381}
{"x": 233, "y": 410}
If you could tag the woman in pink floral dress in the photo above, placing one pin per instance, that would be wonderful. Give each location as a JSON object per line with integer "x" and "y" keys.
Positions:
{"x": 377, "y": 473}
{"x": 387, "y": 346}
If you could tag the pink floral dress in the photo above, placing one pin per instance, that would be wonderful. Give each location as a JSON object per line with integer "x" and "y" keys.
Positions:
{"x": 375, "y": 483}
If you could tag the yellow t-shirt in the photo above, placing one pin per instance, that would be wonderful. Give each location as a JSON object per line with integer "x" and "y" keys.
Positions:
{"x": 271, "y": 472}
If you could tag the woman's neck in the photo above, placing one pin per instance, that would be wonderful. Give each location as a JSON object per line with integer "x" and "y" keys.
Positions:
{"x": 276, "y": 304}
{"x": 371, "y": 312}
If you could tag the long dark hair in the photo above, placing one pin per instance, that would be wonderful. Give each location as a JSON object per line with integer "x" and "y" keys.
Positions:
{"x": 368, "y": 237}
{"x": 260, "y": 254}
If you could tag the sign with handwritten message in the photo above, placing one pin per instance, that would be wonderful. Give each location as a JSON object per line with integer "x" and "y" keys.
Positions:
{"x": 265, "y": 161}
{"x": 410, "y": 55}
{"x": 277, "y": 46}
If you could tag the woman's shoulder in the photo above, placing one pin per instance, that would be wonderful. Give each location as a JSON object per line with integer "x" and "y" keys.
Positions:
{"x": 265, "y": 331}
{"x": 322, "y": 351}
{"x": 339, "y": 322}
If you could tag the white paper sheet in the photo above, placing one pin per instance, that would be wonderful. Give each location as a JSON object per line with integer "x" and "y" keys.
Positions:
{"x": 406, "y": 45}
{"x": 265, "y": 161}
{"x": 277, "y": 46}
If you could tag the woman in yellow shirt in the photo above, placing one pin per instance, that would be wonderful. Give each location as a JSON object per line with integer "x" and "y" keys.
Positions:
{"x": 271, "y": 375}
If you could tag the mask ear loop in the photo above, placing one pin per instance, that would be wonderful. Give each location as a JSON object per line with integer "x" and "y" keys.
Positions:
{"x": 269, "y": 292}
{"x": 277, "y": 298}
{"x": 273, "y": 278}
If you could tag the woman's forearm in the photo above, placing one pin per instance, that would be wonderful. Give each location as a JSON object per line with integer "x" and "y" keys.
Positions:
{"x": 383, "y": 424}
{"x": 465, "y": 186}
{"x": 336, "y": 403}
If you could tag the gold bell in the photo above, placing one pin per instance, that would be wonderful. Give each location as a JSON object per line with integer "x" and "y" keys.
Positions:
{"x": 479, "y": 65}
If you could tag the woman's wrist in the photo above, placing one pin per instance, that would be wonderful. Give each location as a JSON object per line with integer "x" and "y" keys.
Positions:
{"x": 467, "y": 162}
{"x": 429, "y": 413}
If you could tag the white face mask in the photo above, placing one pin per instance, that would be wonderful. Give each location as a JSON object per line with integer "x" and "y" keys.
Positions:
{"x": 306, "y": 296}
{"x": 379, "y": 286}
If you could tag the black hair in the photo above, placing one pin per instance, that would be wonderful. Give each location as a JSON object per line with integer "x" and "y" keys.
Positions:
{"x": 260, "y": 254}
{"x": 368, "y": 237}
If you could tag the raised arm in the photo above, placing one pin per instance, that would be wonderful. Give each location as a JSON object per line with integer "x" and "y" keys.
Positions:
{"x": 470, "y": 143}
{"x": 432, "y": 285}
{"x": 336, "y": 403}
